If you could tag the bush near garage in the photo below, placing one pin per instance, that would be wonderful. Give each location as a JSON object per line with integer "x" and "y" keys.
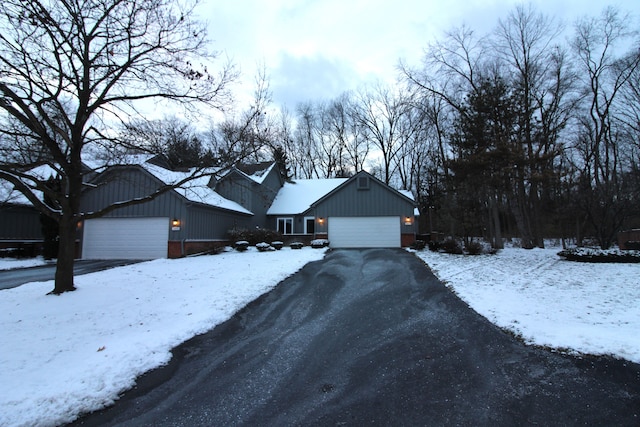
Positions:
{"x": 254, "y": 235}
{"x": 319, "y": 243}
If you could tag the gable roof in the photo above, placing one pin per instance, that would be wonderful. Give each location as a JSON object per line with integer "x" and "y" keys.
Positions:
{"x": 254, "y": 172}
{"x": 297, "y": 196}
{"x": 354, "y": 177}
{"x": 196, "y": 190}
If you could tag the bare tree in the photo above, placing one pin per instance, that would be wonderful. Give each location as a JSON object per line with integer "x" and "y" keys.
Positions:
{"x": 306, "y": 153}
{"x": 380, "y": 113}
{"x": 526, "y": 43}
{"x": 71, "y": 70}
{"x": 604, "y": 196}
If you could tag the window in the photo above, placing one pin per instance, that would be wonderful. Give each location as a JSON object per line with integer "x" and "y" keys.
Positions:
{"x": 309, "y": 225}
{"x": 363, "y": 183}
{"x": 285, "y": 225}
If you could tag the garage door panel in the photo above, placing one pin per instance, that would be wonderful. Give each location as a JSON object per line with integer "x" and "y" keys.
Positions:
{"x": 364, "y": 232}
{"x": 125, "y": 238}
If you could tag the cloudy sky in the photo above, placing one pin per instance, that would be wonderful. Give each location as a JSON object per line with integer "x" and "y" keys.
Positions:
{"x": 317, "y": 49}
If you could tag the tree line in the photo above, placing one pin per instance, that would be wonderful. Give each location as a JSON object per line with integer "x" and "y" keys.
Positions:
{"x": 530, "y": 131}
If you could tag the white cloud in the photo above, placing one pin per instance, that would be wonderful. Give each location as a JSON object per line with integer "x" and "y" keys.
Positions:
{"x": 353, "y": 39}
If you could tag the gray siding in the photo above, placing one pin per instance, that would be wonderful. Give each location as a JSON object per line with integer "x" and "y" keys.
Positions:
{"x": 255, "y": 197}
{"x": 377, "y": 200}
{"x": 238, "y": 188}
{"x": 197, "y": 221}
{"x": 263, "y": 195}
{"x": 19, "y": 222}
{"x": 204, "y": 223}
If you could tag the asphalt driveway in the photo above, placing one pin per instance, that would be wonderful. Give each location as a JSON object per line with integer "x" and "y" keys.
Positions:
{"x": 371, "y": 337}
{"x": 20, "y": 276}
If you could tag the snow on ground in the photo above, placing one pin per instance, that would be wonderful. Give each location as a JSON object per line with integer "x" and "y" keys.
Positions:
{"x": 571, "y": 306}
{"x": 10, "y": 263}
{"x": 63, "y": 355}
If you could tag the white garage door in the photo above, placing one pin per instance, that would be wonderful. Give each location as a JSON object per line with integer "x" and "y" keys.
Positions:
{"x": 364, "y": 232}
{"x": 125, "y": 238}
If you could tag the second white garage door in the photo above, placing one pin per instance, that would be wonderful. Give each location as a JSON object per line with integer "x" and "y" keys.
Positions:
{"x": 364, "y": 232}
{"x": 125, "y": 238}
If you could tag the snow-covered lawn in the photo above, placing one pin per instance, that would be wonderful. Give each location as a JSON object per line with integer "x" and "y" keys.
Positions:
{"x": 10, "y": 263}
{"x": 60, "y": 356}
{"x": 591, "y": 308}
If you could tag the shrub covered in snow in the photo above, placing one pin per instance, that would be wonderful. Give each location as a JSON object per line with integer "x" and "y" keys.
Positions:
{"x": 241, "y": 245}
{"x": 277, "y": 245}
{"x": 319, "y": 243}
{"x": 296, "y": 245}
{"x": 263, "y": 247}
{"x": 599, "y": 255}
{"x": 254, "y": 235}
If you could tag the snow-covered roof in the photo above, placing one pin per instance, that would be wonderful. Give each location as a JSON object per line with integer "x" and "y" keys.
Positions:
{"x": 258, "y": 175}
{"x": 409, "y": 195}
{"x": 256, "y": 172}
{"x": 9, "y": 195}
{"x": 297, "y": 196}
{"x": 195, "y": 190}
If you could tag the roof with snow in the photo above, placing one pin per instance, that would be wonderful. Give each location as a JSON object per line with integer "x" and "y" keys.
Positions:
{"x": 297, "y": 196}
{"x": 256, "y": 171}
{"x": 9, "y": 195}
{"x": 195, "y": 190}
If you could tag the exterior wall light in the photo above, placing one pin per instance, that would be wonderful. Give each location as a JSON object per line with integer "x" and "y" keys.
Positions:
{"x": 175, "y": 224}
{"x": 321, "y": 220}
{"x": 408, "y": 220}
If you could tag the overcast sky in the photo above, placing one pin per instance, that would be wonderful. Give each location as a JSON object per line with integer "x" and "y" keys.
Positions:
{"x": 317, "y": 49}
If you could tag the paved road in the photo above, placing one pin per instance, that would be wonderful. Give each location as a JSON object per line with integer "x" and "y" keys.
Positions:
{"x": 20, "y": 276}
{"x": 370, "y": 337}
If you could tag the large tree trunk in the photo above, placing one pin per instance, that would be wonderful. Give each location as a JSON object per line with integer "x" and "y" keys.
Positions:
{"x": 66, "y": 256}
{"x": 497, "y": 227}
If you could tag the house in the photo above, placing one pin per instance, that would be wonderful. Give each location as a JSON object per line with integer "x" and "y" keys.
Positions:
{"x": 20, "y": 227}
{"x": 186, "y": 220}
{"x": 360, "y": 211}
{"x": 357, "y": 212}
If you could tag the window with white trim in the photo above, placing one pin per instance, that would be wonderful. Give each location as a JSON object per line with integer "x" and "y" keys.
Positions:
{"x": 285, "y": 225}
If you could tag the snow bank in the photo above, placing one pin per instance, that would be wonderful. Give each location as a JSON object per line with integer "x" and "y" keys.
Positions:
{"x": 75, "y": 353}
{"x": 579, "y": 307}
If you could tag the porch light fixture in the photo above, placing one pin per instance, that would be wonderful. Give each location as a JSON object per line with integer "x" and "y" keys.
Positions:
{"x": 175, "y": 224}
{"x": 408, "y": 220}
{"x": 321, "y": 220}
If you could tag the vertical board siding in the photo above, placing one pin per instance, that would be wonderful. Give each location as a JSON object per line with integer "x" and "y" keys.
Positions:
{"x": 20, "y": 223}
{"x": 197, "y": 222}
{"x": 378, "y": 200}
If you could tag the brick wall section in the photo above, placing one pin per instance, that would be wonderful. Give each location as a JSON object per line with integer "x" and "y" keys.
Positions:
{"x": 407, "y": 240}
{"x": 628, "y": 239}
{"x": 196, "y": 247}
